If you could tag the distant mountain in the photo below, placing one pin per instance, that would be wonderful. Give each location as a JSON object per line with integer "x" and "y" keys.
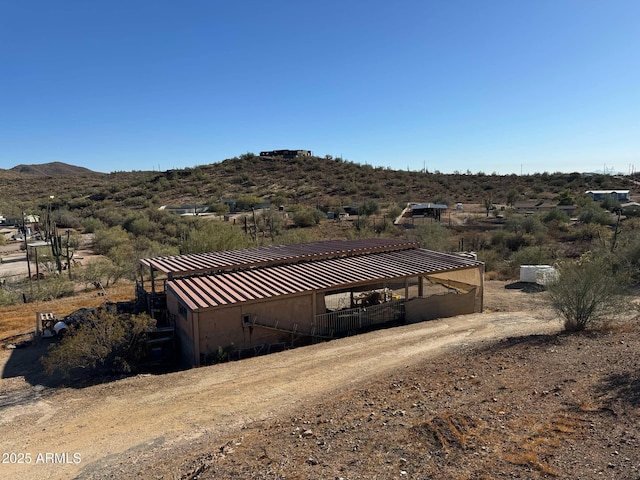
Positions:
{"x": 53, "y": 169}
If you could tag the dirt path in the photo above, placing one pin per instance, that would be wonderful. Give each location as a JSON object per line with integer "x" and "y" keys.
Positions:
{"x": 103, "y": 428}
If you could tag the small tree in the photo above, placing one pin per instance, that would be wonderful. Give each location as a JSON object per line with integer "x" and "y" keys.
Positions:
{"x": 586, "y": 293}
{"x": 104, "y": 341}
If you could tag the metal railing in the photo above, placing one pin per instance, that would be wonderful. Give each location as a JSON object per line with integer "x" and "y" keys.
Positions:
{"x": 353, "y": 319}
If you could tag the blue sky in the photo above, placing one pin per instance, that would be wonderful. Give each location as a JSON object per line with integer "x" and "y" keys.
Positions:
{"x": 482, "y": 85}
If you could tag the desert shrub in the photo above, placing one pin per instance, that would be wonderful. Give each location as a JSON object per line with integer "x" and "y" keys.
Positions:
{"x": 531, "y": 224}
{"x": 107, "y": 238}
{"x": 307, "y": 217}
{"x": 593, "y": 213}
{"x": 625, "y": 259}
{"x": 270, "y": 221}
{"x": 111, "y": 216}
{"x": 135, "y": 201}
{"x": 8, "y": 295}
{"x": 587, "y": 292}
{"x": 530, "y": 256}
{"x": 492, "y": 260}
{"x": 555, "y": 215}
{"x": 139, "y": 225}
{"x": 433, "y": 236}
{"x": 100, "y": 271}
{"x": 515, "y": 241}
{"x": 393, "y": 212}
{"x": 66, "y": 219}
{"x": 105, "y": 341}
{"x": 51, "y": 287}
{"x": 610, "y": 203}
{"x": 219, "y": 208}
{"x": 475, "y": 241}
{"x": 565, "y": 198}
{"x": 246, "y": 202}
{"x": 369, "y": 207}
{"x": 294, "y": 236}
{"x": 91, "y": 224}
{"x": 210, "y": 236}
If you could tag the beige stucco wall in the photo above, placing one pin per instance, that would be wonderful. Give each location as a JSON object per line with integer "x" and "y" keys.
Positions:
{"x": 440, "y": 306}
{"x": 223, "y": 326}
{"x": 184, "y": 331}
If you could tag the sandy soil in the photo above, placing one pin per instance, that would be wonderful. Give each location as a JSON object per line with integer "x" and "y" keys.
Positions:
{"x": 418, "y": 401}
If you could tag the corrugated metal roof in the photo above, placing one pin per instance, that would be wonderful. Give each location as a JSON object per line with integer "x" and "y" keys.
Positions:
{"x": 434, "y": 206}
{"x": 227, "y": 288}
{"x": 181, "y": 265}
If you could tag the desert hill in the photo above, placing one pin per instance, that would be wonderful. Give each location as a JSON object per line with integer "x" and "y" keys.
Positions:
{"x": 313, "y": 181}
{"x": 52, "y": 169}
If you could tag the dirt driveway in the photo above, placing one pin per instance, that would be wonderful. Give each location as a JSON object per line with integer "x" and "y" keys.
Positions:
{"x": 102, "y": 430}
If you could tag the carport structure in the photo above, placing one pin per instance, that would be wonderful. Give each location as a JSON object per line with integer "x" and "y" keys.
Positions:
{"x": 266, "y": 298}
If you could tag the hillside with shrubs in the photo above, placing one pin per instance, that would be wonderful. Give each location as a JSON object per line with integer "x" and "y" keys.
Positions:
{"x": 251, "y": 200}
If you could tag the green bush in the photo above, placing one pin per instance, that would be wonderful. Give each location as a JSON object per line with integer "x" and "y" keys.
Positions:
{"x": 104, "y": 240}
{"x": 307, "y": 217}
{"x": 555, "y": 215}
{"x": 587, "y": 292}
{"x": 593, "y": 213}
{"x": 210, "y": 236}
{"x": 433, "y": 236}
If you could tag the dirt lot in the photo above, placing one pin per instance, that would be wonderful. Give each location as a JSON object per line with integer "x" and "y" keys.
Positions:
{"x": 492, "y": 395}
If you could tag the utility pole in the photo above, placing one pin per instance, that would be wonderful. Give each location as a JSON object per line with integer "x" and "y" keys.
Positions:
{"x": 26, "y": 246}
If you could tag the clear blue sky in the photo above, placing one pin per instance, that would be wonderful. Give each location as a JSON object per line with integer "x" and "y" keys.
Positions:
{"x": 482, "y": 85}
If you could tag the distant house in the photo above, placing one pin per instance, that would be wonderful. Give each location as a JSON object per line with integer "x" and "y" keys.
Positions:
{"x": 597, "y": 195}
{"x": 420, "y": 212}
{"x": 529, "y": 207}
{"x": 186, "y": 210}
{"x": 524, "y": 206}
{"x": 286, "y": 153}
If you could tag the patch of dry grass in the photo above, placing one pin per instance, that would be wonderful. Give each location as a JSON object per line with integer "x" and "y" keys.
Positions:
{"x": 20, "y": 318}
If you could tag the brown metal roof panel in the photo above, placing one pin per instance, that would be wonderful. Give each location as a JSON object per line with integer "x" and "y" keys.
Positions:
{"x": 319, "y": 276}
{"x": 207, "y": 288}
{"x": 282, "y": 284}
{"x": 303, "y": 274}
{"x": 235, "y": 286}
{"x": 256, "y": 283}
{"x": 288, "y": 278}
{"x": 189, "y": 295}
{"x": 250, "y": 288}
{"x": 267, "y": 282}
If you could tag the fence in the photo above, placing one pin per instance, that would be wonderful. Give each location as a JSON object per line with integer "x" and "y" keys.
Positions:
{"x": 352, "y": 319}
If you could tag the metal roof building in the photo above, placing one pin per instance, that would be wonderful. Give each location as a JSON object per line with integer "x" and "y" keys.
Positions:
{"x": 270, "y": 297}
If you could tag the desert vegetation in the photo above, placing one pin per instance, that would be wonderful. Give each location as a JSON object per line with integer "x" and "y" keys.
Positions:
{"x": 119, "y": 215}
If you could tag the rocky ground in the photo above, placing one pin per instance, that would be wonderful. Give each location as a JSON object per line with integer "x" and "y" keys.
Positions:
{"x": 539, "y": 406}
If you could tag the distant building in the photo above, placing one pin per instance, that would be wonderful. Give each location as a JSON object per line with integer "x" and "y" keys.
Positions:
{"x": 597, "y": 195}
{"x": 529, "y": 207}
{"x": 186, "y": 209}
{"x": 420, "y": 212}
{"x": 286, "y": 153}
